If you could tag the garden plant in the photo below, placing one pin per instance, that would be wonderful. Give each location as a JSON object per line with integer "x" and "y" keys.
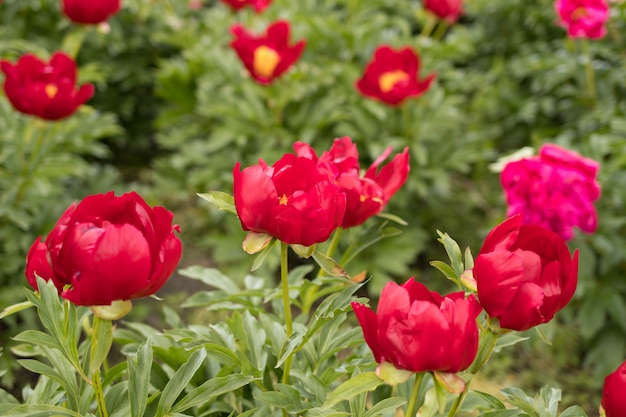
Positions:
{"x": 239, "y": 207}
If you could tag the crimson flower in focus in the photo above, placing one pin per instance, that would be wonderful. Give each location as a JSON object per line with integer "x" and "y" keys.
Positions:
{"x": 47, "y": 90}
{"x": 258, "y": 5}
{"x": 295, "y": 200}
{"x": 367, "y": 195}
{"x": 419, "y": 330}
{"x": 583, "y": 18}
{"x": 392, "y": 76}
{"x": 613, "y": 399}
{"x": 524, "y": 274}
{"x": 448, "y": 10}
{"x": 90, "y": 12}
{"x": 107, "y": 248}
{"x": 266, "y": 56}
{"x": 555, "y": 190}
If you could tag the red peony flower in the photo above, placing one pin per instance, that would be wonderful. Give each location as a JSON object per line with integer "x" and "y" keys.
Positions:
{"x": 367, "y": 195}
{"x": 448, "y": 10}
{"x": 583, "y": 18}
{"x": 555, "y": 190}
{"x": 295, "y": 200}
{"x": 90, "y": 12}
{"x": 613, "y": 399}
{"x": 107, "y": 248}
{"x": 259, "y": 5}
{"x": 392, "y": 76}
{"x": 419, "y": 330}
{"x": 267, "y": 56}
{"x": 46, "y": 90}
{"x": 524, "y": 274}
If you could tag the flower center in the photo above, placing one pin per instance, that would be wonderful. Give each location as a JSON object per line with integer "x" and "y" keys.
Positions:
{"x": 265, "y": 61}
{"x": 282, "y": 200}
{"x": 579, "y": 13}
{"x": 51, "y": 90}
{"x": 388, "y": 80}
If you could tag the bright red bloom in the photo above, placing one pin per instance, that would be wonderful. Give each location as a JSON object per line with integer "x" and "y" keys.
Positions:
{"x": 47, "y": 90}
{"x": 445, "y": 9}
{"x": 555, "y": 190}
{"x": 107, "y": 248}
{"x": 583, "y": 18}
{"x": 392, "y": 76}
{"x": 258, "y": 5}
{"x": 367, "y": 195}
{"x": 524, "y": 274}
{"x": 295, "y": 200}
{"x": 419, "y": 330}
{"x": 90, "y": 12}
{"x": 613, "y": 398}
{"x": 267, "y": 56}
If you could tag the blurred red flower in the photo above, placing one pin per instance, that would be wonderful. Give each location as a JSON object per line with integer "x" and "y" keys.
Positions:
{"x": 392, "y": 76}
{"x": 448, "y": 10}
{"x": 367, "y": 195}
{"x": 107, "y": 248}
{"x": 419, "y": 330}
{"x": 267, "y": 56}
{"x": 295, "y": 200}
{"x": 613, "y": 398}
{"x": 524, "y": 274}
{"x": 90, "y": 12}
{"x": 555, "y": 190}
{"x": 583, "y": 18}
{"x": 258, "y": 5}
{"x": 47, "y": 90}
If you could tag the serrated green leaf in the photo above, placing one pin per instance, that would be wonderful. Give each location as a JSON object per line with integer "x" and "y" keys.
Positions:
{"x": 365, "y": 382}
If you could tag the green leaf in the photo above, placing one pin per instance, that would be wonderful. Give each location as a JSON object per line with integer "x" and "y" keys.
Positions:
{"x": 329, "y": 265}
{"x": 508, "y": 339}
{"x": 179, "y": 382}
{"x": 446, "y": 270}
{"x": 139, "y": 367}
{"x": 384, "y": 407}
{"x": 255, "y": 242}
{"x": 260, "y": 258}
{"x": 41, "y": 410}
{"x": 469, "y": 259}
{"x": 393, "y": 218}
{"x": 221, "y": 200}
{"x": 303, "y": 251}
{"x": 36, "y": 337}
{"x": 454, "y": 253}
{"x": 15, "y": 308}
{"x": 101, "y": 343}
{"x": 365, "y": 382}
{"x": 210, "y": 390}
{"x": 212, "y": 277}
{"x": 294, "y": 341}
{"x": 573, "y": 411}
{"x": 491, "y": 400}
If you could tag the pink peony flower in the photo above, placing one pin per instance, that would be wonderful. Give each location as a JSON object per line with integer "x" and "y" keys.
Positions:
{"x": 555, "y": 190}
{"x": 583, "y": 18}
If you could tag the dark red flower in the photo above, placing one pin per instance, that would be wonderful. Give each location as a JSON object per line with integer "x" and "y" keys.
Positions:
{"x": 267, "y": 56}
{"x": 613, "y": 398}
{"x": 46, "y": 90}
{"x": 107, "y": 248}
{"x": 392, "y": 76}
{"x": 524, "y": 274}
{"x": 555, "y": 190}
{"x": 419, "y": 330}
{"x": 295, "y": 200}
{"x": 90, "y": 12}
{"x": 258, "y": 5}
{"x": 448, "y": 10}
{"x": 367, "y": 195}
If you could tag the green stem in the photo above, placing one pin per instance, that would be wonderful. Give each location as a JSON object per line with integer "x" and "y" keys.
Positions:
{"x": 34, "y": 136}
{"x": 429, "y": 26}
{"x": 441, "y": 30}
{"x": 589, "y": 73}
{"x": 284, "y": 279}
{"x": 410, "y": 409}
{"x": 95, "y": 378}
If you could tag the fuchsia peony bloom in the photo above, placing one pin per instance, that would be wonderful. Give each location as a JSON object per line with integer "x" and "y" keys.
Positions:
{"x": 555, "y": 190}
{"x": 613, "y": 398}
{"x": 258, "y": 5}
{"x": 367, "y": 195}
{"x": 267, "y": 56}
{"x": 448, "y": 10}
{"x": 392, "y": 76}
{"x": 583, "y": 18}
{"x": 419, "y": 330}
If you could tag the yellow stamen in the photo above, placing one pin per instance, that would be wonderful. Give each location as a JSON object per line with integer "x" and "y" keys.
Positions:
{"x": 579, "y": 13}
{"x": 265, "y": 61}
{"x": 388, "y": 80}
{"x": 363, "y": 198}
{"x": 51, "y": 90}
{"x": 283, "y": 200}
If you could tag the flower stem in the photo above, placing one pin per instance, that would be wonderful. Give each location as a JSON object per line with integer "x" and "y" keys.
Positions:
{"x": 441, "y": 30}
{"x": 284, "y": 279}
{"x": 410, "y": 410}
{"x": 95, "y": 378}
{"x": 429, "y": 26}
{"x": 589, "y": 74}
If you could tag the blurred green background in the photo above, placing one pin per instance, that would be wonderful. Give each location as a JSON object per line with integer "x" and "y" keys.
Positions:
{"x": 174, "y": 110}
